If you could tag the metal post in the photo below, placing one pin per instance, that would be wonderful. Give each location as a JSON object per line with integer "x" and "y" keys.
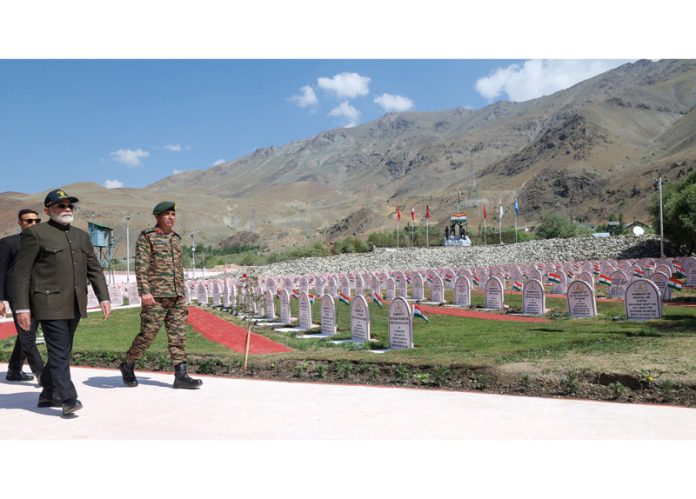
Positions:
{"x": 193, "y": 255}
{"x": 127, "y": 250}
{"x": 662, "y": 233}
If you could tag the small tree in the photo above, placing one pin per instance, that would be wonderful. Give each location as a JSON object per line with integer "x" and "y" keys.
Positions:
{"x": 679, "y": 214}
{"x": 554, "y": 226}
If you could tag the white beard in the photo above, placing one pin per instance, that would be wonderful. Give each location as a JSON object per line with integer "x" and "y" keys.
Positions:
{"x": 63, "y": 218}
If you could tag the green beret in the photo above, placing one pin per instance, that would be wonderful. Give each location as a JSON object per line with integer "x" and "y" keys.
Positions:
{"x": 164, "y": 206}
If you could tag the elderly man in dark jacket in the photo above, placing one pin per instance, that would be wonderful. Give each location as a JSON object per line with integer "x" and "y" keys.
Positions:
{"x": 55, "y": 263}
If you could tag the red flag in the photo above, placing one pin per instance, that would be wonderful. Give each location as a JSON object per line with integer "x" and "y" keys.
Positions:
{"x": 398, "y": 213}
{"x": 484, "y": 211}
{"x": 427, "y": 212}
{"x": 413, "y": 214}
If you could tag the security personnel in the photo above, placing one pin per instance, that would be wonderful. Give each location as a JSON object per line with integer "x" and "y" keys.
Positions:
{"x": 159, "y": 272}
{"x": 25, "y": 344}
{"x": 54, "y": 265}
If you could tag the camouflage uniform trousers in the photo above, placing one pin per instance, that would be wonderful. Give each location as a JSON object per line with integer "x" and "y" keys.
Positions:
{"x": 173, "y": 312}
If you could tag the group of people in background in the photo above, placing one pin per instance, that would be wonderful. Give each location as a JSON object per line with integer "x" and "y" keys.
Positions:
{"x": 44, "y": 273}
{"x": 451, "y": 230}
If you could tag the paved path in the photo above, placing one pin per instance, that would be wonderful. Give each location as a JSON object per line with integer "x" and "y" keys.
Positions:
{"x": 226, "y": 408}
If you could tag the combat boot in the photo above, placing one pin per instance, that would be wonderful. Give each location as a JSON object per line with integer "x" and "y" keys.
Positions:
{"x": 127, "y": 373}
{"x": 182, "y": 379}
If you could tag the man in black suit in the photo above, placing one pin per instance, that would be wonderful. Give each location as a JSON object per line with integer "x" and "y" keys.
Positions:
{"x": 25, "y": 344}
{"x": 55, "y": 262}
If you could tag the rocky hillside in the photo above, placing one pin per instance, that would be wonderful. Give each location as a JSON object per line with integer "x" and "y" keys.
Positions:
{"x": 588, "y": 151}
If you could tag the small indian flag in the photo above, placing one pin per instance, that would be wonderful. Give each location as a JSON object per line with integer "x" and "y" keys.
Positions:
{"x": 418, "y": 312}
{"x": 604, "y": 279}
{"x": 429, "y": 278}
{"x": 312, "y": 297}
{"x": 679, "y": 270}
{"x": 674, "y": 283}
{"x": 554, "y": 277}
{"x": 476, "y": 281}
{"x": 343, "y": 298}
{"x": 449, "y": 277}
{"x": 525, "y": 275}
{"x": 377, "y": 298}
{"x": 637, "y": 272}
{"x": 296, "y": 294}
{"x": 516, "y": 286}
{"x": 596, "y": 269}
{"x": 650, "y": 266}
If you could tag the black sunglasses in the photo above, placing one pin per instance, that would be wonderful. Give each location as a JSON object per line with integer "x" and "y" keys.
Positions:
{"x": 31, "y": 220}
{"x": 65, "y": 206}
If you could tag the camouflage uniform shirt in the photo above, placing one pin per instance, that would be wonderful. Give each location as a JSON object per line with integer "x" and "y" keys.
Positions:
{"x": 158, "y": 263}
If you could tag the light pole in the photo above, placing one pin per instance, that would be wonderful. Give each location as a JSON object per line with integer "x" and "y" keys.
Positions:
{"x": 193, "y": 254}
{"x": 127, "y": 250}
{"x": 662, "y": 232}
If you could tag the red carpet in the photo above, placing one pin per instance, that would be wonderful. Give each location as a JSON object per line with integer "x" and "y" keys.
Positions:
{"x": 474, "y": 314}
{"x": 7, "y": 329}
{"x": 230, "y": 335}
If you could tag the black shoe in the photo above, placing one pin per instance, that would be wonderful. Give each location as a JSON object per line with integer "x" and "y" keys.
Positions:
{"x": 127, "y": 374}
{"x": 37, "y": 375}
{"x": 182, "y": 379}
{"x": 18, "y": 376}
{"x": 71, "y": 406}
{"x": 53, "y": 402}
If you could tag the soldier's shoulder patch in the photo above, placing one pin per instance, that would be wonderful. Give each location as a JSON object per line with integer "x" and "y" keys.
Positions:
{"x": 149, "y": 231}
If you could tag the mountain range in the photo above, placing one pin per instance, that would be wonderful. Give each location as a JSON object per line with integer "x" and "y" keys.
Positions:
{"x": 588, "y": 151}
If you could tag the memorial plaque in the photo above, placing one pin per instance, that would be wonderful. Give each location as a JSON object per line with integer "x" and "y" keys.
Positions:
{"x": 359, "y": 320}
{"x": 462, "y": 292}
{"x": 285, "y": 307}
{"x": 559, "y": 282}
{"x": 587, "y": 277}
{"x": 351, "y": 281}
{"x": 116, "y": 295}
{"x": 304, "y": 285}
{"x": 665, "y": 269}
{"x": 691, "y": 275}
{"x": 450, "y": 278}
{"x": 536, "y": 275}
{"x": 438, "y": 290}
{"x": 345, "y": 285}
{"x": 359, "y": 285}
{"x": 287, "y": 284}
{"x": 619, "y": 281}
{"x": 391, "y": 289}
{"x": 187, "y": 296}
{"x": 305, "y": 313}
{"x": 333, "y": 285}
{"x": 533, "y": 298}
{"x": 661, "y": 279}
{"x": 270, "y": 305}
{"x": 328, "y": 315}
{"x": 92, "y": 300}
{"x": 271, "y": 284}
{"x": 225, "y": 295}
{"x": 383, "y": 277}
{"x": 642, "y": 301}
{"x": 400, "y": 324}
{"x": 581, "y": 300}
{"x": 493, "y": 290}
{"x": 402, "y": 289}
{"x": 418, "y": 292}
{"x": 133, "y": 296}
{"x": 375, "y": 285}
{"x": 216, "y": 294}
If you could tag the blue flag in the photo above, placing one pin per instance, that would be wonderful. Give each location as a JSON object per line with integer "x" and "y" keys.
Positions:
{"x": 517, "y": 208}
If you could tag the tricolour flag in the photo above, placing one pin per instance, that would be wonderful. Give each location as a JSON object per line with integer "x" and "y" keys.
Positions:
{"x": 516, "y": 286}
{"x": 449, "y": 277}
{"x": 312, "y": 297}
{"x": 553, "y": 277}
{"x": 296, "y": 294}
{"x": 343, "y": 298}
{"x": 377, "y": 298}
{"x": 674, "y": 283}
{"x": 476, "y": 280}
{"x": 679, "y": 270}
{"x": 637, "y": 272}
{"x": 604, "y": 279}
{"x": 418, "y": 312}
{"x": 596, "y": 269}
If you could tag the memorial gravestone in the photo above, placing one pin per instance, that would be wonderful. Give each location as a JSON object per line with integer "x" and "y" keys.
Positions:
{"x": 216, "y": 294}
{"x": 533, "y": 298}
{"x": 202, "y": 294}
{"x": 116, "y": 296}
{"x": 391, "y": 289}
{"x": 665, "y": 269}
{"x": 133, "y": 296}
{"x": 328, "y": 315}
{"x": 304, "y": 285}
{"x": 661, "y": 280}
{"x": 285, "y": 307}
{"x": 400, "y": 329}
{"x": 359, "y": 320}
{"x": 619, "y": 281}
{"x": 493, "y": 290}
{"x": 581, "y": 300}
{"x": 270, "y": 305}
{"x": 345, "y": 285}
{"x": 438, "y": 290}
{"x": 359, "y": 285}
{"x": 305, "y": 312}
{"x": 462, "y": 292}
{"x": 418, "y": 292}
{"x": 642, "y": 301}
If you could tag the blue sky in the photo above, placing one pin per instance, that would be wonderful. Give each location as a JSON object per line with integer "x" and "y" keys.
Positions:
{"x": 132, "y": 122}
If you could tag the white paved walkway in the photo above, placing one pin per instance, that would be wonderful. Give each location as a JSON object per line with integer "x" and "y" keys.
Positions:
{"x": 227, "y": 408}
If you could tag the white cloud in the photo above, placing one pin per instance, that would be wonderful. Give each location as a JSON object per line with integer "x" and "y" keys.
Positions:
{"x": 307, "y": 97}
{"x": 176, "y": 171}
{"x": 394, "y": 103}
{"x": 219, "y": 162}
{"x": 346, "y": 112}
{"x": 130, "y": 157}
{"x": 346, "y": 85}
{"x": 539, "y": 77}
{"x": 113, "y": 184}
{"x": 177, "y": 148}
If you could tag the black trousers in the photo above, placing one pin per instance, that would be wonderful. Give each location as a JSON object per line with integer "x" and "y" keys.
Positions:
{"x": 56, "y": 380}
{"x": 25, "y": 347}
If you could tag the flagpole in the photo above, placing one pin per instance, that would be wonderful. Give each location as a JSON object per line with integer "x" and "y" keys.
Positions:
{"x": 515, "y": 226}
{"x": 500, "y": 223}
{"x": 427, "y": 227}
{"x": 484, "y": 230}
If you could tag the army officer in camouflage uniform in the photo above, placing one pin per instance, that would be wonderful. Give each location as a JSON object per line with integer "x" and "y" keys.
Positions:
{"x": 160, "y": 275}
